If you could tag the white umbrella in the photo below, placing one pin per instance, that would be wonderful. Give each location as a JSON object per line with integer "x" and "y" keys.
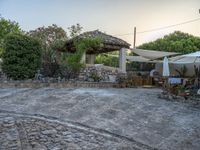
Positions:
{"x": 166, "y": 72}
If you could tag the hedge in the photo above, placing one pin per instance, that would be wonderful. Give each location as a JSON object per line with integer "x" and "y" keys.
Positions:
{"x": 21, "y": 56}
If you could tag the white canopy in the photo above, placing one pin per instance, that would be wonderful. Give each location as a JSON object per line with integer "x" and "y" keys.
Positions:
{"x": 186, "y": 59}
{"x": 137, "y": 59}
{"x": 150, "y": 54}
{"x": 195, "y": 54}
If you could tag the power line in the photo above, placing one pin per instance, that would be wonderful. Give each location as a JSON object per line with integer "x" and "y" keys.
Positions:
{"x": 123, "y": 34}
{"x": 161, "y": 28}
{"x": 170, "y": 26}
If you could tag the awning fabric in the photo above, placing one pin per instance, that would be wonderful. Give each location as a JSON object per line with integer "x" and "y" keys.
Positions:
{"x": 152, "y": 55}
{"x": 186, "y": 59}
{"x": 139, "y": 59}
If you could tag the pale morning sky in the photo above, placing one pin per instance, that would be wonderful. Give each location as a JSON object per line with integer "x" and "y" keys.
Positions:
{"x": 114, "y": 17}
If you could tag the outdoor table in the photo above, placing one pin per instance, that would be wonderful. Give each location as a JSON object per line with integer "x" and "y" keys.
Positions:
{"x": 173, "y": 80}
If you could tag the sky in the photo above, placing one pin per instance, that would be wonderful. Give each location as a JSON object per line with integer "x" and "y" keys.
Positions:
{"x": 114, "y": 17}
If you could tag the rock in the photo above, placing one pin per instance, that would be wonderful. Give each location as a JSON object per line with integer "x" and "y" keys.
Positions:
{"x": 59, "y": 127}
{"x": 65, "y": 133}
{"x": 72, "y": 146}
{"x": 47, "y": 132}
{"x": 39, "y": 147}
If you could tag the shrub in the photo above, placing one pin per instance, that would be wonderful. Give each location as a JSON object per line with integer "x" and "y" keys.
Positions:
{"x": 95, "y": 76}
{"x": 21, "y": 56}
{"x": 71, "y": 64}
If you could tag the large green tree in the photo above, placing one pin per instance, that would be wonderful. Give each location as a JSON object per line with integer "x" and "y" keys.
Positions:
{"x": 174, "y": 42}
{"x": 7, "y": 27}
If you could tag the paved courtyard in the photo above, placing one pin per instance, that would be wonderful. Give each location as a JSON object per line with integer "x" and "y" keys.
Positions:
{"x": 81, "y": 118}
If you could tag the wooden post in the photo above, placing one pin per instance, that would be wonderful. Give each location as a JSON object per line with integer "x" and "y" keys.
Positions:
{"x": 134, "y": 42}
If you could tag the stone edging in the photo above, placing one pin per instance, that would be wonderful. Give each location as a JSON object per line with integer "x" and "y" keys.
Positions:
{"x": 69, "y": 84}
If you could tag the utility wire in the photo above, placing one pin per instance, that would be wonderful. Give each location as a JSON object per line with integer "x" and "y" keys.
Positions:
{"x": 170, "y": 26}
{"x": 161, "y": 28}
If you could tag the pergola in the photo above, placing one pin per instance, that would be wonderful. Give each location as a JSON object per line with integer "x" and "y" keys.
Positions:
{"x": 109, "y": 44}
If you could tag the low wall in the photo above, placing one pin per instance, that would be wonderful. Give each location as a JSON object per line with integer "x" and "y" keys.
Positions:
{"x": 99, "y": 72}
{"x": 69, "y": 84}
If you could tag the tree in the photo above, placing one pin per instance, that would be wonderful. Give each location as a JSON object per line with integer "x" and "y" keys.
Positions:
{"x": 49, "y": 35}
{"x": 7, "y": 27}
{"x": 175, "y": 42}
{"x": 21, "y": 56}
{"x": 75, "y": 30}
{"x": 52, "y": 38}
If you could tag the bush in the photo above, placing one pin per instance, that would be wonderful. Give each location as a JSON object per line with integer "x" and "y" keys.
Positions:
{"x": 107, "y": 60}
{"x": 21, "y": 56}
{"x": 71, "y": 64}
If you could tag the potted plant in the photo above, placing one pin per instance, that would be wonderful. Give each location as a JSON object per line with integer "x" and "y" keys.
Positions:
{"x": 181, "y": 91}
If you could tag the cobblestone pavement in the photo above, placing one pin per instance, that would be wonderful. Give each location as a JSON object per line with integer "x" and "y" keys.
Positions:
{"x": 25, "y": 132}
{"x": 81, "y": 118}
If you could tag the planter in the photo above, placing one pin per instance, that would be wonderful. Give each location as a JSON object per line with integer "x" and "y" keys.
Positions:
{"x": 183, "y": 93}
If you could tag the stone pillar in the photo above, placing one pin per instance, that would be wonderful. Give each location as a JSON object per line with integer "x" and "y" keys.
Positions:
{"x": 122, "y": 60}
{"x": 91, "y": 59}
{"x": 83, "y": 59}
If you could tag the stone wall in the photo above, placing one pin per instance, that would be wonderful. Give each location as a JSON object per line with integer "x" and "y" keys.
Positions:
{"x": 99, "y": 73}
{"x": 97, "y": 76}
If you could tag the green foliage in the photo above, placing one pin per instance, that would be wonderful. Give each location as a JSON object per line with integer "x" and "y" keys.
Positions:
{"x": 75, "y": 30}
{"x": 107, "y": 60}
{"x": 1, "y": 52}
{"x": 52, "y": 39}
{"x": 7, "y": 27}
{"x": 89, "y": 44}
{"x": 71, "y": 62}
{"x": 95, "y": 76}
{"x": 21, "y": 56}
{"x": 175, "y": 42}
{"x": 48, "y": 35}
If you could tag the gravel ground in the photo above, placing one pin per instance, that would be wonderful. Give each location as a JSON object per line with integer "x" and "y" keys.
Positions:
{"x": 83, "y": 118}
